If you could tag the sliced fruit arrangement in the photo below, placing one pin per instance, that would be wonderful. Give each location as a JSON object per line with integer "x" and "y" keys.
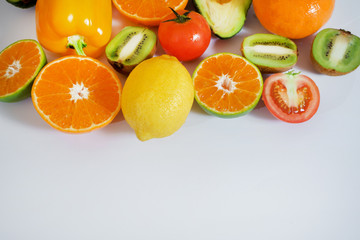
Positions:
{"x": 148, "y": 12}
{"x": 185, "y": 35}
{"x": 77, "y": 94}
{"x": 129, "y": 47}
{"x": 20, "y": 63}
{"x": 270, "y": 53}
{"x": 293, "y": 19}
{"x": 157, "y": 97}
{"x": 291, "y": 97}
{"x": 22, "y": 3}
{"x": 335, "y": 52}
{"x": 64, "y": 25}
{"x": 225, "y": 17}
{"x": 227, "y": 85}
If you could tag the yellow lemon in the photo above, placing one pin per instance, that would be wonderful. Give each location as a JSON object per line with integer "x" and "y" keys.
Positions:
{"x": 157, "y": 97}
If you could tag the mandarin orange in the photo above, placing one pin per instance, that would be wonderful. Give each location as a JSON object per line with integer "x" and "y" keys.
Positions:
{"x": 148, "y": 12}
{"x": 77, "y": 94}
{"x": 293, "y": 19}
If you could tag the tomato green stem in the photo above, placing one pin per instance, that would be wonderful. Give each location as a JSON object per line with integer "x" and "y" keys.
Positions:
{"x": 179, "y": 18}
{"x": 77, "y": 42}
{"x": 292, "y": 73}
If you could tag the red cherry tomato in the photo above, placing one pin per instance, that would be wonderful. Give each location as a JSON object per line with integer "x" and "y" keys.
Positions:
{"x": 185, "y": 35}
{"x": 291, "y": 97}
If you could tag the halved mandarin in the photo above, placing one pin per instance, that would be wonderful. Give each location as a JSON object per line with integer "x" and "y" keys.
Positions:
{"x": 148, "y": 12}
{"x": 77, "y": 94}
{"x": 227, "y": 85}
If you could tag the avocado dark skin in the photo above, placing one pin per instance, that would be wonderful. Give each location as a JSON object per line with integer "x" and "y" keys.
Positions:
{"x": 22, "y": 3}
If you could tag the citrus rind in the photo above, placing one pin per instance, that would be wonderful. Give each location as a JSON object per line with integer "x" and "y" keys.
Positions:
{"x": 25, "y": 91}
{"x": 229, "y": 114}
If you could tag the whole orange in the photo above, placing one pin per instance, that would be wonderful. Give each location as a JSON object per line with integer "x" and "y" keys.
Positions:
{"x": 293, "y": 18}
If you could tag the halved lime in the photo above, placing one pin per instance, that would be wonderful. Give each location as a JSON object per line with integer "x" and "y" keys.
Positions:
{"x": 20, "y": 63}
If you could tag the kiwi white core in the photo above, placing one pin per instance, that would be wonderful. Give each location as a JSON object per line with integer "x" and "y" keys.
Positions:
{"x": 270, "y": 49}
{"x": 13, "y": 69}
{"x": 338, "y": 50}
{"x": 131, "y": 46}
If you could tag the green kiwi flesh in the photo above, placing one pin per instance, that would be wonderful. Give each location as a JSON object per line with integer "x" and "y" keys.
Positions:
{"x": 129, "y": 47}
{"x": 335, "y": 52}
{"x": 270, "y": 53}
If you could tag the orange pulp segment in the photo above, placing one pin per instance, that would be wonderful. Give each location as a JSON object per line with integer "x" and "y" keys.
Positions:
{"x": 20, "y": 63}
{"x": 227, "y": 85}
{"x": 77, "y": 94}
{"x": 148, "y": 12}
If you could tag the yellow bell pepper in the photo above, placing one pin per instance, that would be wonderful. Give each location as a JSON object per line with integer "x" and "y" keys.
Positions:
{"x": 65, "y": 25}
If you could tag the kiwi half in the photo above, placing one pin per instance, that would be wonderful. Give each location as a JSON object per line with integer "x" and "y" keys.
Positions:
{"x": 270, "y": 53}
{"x": 335, "y": 52}
{"x": 129, "y": 47}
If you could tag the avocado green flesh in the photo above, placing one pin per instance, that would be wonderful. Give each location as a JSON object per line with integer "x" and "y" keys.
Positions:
{"x": 270, "y": 50}
{"x": 225, "y": 17}
{"x": 337, "y": 50}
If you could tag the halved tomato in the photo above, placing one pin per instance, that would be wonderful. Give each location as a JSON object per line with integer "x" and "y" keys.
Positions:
{"x": 291, "y": 97}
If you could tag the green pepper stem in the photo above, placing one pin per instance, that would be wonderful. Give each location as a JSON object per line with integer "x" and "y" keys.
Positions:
{"x": 77, "y": 42}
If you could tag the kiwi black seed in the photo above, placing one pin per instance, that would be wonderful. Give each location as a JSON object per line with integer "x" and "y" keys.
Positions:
{"x": 335, "y": 52}
{"x": 129, "y": 47}
{"x": 270, "y": 53}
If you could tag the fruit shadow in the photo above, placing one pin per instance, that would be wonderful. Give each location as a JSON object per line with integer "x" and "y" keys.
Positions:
{"x": 197, "y": 109}
{"x": 16, "y": 111}
{"x": 304, "y": 60}
{"x": 117, "y": 125}
{"x": 260, "y": 111}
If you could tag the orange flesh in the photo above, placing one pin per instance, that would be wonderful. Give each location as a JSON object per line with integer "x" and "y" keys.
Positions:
{"x": 53, "y": 98}
{"x": 281, "y": 99}
{"x": 294, "y": 19}
{"x": 18, "y": 65}
{"x": 149, "y": 12}
{"x": 227, "y": 84}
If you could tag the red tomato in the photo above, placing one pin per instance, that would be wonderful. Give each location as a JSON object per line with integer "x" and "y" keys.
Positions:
{"x": 186, "y": 37}
{"x": 291, "y": 97}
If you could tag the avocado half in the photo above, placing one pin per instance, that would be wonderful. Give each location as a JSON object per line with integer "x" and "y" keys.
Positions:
{"x": 225, "y": 17}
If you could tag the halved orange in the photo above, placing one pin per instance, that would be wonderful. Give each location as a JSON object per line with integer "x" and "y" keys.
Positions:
{"x": 20, "y": 63}
{"x": 148, "y": 12}
{"x": 77, "y": 94}
{"x": 227, "y": 85}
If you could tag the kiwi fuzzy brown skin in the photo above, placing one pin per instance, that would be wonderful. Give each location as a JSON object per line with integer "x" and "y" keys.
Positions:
{"x": 327, "y": 71}
{"x": 126, "y": 69}
{"x": 321, "y": 69}
{"x": 266, "y": 69}
{"x": 124, "y": 55}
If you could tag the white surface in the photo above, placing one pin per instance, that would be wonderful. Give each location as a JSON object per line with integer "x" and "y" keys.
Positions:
{"x": 253, "y": 177}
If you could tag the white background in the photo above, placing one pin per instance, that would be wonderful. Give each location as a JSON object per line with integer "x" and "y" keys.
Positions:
{"x": 253, "y": 177}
